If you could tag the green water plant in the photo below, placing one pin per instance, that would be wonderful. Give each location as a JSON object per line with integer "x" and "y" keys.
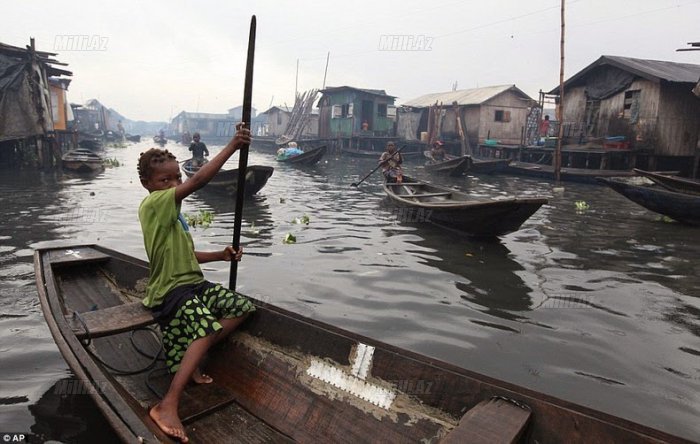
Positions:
{"x": 202, "y": 218}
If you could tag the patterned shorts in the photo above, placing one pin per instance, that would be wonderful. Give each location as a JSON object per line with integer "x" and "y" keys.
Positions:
{"x": 197, "y": 317}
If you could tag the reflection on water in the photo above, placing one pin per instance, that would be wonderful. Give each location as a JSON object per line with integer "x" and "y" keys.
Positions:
{"x": 598, "y": 307}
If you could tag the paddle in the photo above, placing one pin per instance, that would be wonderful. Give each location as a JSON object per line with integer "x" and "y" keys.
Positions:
{"x": 355, "y": 184}
{"x": 243, "y": 159}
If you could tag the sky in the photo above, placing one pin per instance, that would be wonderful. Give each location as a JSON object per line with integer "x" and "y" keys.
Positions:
{"x": 149, "y": 60}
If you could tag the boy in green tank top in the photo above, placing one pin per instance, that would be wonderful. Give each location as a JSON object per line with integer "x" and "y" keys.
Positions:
{"x": 193, "y": 313}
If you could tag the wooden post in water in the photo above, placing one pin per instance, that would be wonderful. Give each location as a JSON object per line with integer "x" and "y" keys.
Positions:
{"x": 560, "y": 109}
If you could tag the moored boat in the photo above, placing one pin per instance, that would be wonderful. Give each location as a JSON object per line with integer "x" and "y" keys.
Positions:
{"x": 457, "y": 210}
{"x": 681, "y": 207}
{"x": 82, "y": 160}
{"x": 133, "y": 137}
{"x": 452, "y": 165}
{"x": 310, "y": 156}
{"x": 671, "y": 182}
{"x": 227, "y": 180}
{"x": 282, "y": 377}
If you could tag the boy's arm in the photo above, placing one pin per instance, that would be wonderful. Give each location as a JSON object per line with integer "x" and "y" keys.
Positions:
{"x": 206, "y": 151}
{"x": 227, "y": 254}
{"x": 209, "y": 170}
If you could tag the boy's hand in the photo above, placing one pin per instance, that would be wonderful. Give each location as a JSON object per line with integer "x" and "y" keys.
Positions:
{"x": 242, "y": 136}
{"x": 230, "y": 254}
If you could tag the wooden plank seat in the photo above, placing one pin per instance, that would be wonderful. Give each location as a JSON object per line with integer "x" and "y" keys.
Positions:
{"x": 442, "y": 193}
{"x": 396, "y": 184}
{"x": 492, "y": 421}
{"x": 110, "y": 321}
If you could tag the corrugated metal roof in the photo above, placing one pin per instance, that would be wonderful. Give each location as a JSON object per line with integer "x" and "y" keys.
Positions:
{"x": 376, "y": 92}
{"x": 474, "y": 96}
{"x": 653, "y": 70}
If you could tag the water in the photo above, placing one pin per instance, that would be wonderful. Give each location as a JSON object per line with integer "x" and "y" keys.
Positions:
{"x": 599, "y": 307}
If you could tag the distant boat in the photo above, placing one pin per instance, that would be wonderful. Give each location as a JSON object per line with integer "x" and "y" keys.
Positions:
{"x": 681, "y": 207}
{"x": 454, "y": 209}
{"x": 310, "y": 156}
{"x": 583, "y": 175}
{"x": 367, "y": 154}
{"x": 452, "y": 165}
{"x": 673, "y": 183}
{"x": 227, "y": 180}
{"x": 82, "y": 160}
{"x": 133, "y": 138}
{"x": 160, "y": 140}
{"x": 285, "y": 378}
{"x": 488, "y": 166}
{"x": 456, "y": 166}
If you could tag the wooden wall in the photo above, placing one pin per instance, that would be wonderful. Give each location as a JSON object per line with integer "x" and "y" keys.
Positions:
{"x": 678, "y": 121}
{"x": 668, "y": 122}
{"x": 510, "y": 132}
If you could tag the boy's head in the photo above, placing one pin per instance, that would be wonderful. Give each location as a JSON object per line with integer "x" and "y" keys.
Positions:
{"x": 158, "y": 170}
{"x": 195, "y": 136}
{"x": 391, "y": 147}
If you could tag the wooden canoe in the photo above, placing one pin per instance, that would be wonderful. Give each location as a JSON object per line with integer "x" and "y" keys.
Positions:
{"x": 681, "y": 207}
{"x": 488, "y": 166}
{"x": 671, "y": 182}
{"x": 457, "y": 210}
{"x": 82, "y": 160}
{"x": 309, "y": 157}
{"x": 285, "y": 378}
{"x": 227, "y": 180}
{"x": 581, "y": 175}
{"x": 452, "y": 165}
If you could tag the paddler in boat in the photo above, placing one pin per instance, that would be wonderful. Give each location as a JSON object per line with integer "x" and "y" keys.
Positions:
{"x": 391, "y": 164}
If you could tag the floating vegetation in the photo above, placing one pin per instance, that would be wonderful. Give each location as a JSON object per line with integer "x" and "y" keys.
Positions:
{"x": 282, "y": 200}
{"x": 289, "y": 238}
{"x": 203, "y": 219}
{"x": 581, "y": 206}
{"x": 117, "y": 145}
{"x": 301, "y": 220}
{"x": 111, "y": 162}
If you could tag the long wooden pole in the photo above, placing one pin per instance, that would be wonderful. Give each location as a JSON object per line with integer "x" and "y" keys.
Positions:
{"x": 560, "y": 109}
{"x": 328, "y": 57}
{"x": 243, "y": 152}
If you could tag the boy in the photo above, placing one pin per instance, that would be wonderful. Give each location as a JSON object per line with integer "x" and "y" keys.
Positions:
{"x": 193, "y": 313}
{"x": 391, "y": 161}
{"x": 199, "y": 150}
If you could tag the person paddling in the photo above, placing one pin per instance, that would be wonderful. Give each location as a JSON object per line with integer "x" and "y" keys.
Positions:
{"x": 193, "y": 313}
{"x": 391, "y": 164}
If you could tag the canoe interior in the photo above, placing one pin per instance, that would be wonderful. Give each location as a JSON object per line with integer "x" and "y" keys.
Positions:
{"x": 672, "y": 183}
{"x": 682, "y": 207}
{"x": 265, "y": 389}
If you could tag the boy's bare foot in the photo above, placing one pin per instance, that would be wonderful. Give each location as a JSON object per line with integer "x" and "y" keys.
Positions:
{"x": 168, "y": 422}
{"x": 201, "y": 378}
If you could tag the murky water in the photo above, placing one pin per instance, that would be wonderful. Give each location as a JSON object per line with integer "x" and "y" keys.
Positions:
{"x": 600, "y": 307}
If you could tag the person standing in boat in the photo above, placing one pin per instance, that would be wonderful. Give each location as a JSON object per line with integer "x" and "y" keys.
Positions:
{"x": 391, "y": 161}
{"x": 199, "y": 150}
{"x": 437, "y": 152}
{"x": 193, "y": 313}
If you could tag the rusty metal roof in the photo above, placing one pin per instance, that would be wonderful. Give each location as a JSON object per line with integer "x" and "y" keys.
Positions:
{"x": 474, "y": 96}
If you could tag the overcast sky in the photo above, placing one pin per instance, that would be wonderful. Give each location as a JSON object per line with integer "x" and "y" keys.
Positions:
{"x": 157, "y": 58}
